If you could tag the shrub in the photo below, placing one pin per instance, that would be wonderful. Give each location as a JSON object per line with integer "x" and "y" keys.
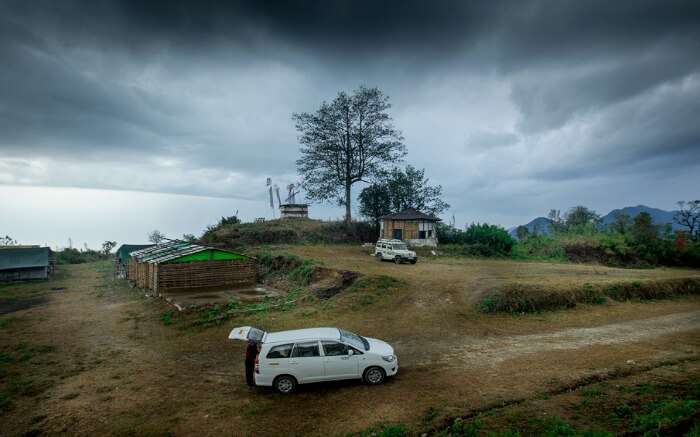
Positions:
{"x": 302, "y": 273}
{"x": 663, "y": 415}
{"x": 479, "y": 239}
{"x": 75, "y": 256}
{"x": 388, "y": 430}
{"x": 540, "y": 247}
{"x": 495, "y": 238}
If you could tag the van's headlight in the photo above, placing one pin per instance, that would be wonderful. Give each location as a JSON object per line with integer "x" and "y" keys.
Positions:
{"x": 389, "y": 358}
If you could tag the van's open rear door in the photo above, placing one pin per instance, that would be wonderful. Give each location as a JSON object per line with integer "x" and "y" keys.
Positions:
{"x": 245, "y": 333}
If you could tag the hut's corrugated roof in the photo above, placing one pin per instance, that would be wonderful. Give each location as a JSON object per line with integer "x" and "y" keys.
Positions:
{"x": 170, "y": 250}
{"x": 410, "y": 214}
{"x": 23, "y": 257}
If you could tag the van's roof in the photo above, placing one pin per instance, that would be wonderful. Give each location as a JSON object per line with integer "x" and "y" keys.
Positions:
{"x": 302, "y": 334}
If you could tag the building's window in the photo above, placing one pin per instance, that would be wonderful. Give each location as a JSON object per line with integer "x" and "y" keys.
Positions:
{"x": 398, "y": 234}
{"x": 430, "y": 234}
{"x": 421, "y": 235}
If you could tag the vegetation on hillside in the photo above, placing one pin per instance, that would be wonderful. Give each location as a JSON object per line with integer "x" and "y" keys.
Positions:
{"x": 579, "y": 237}
{"x": 288, "y": 231}
{"x": 74, "y": 256}
{"x": 478, "y": 239}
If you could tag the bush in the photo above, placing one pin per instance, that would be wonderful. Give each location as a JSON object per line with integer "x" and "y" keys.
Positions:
{"x": 75, "y": 256}
{"x": 489, "y": 239}
{"x": 539, "y": 247}
{"x": 479, "y": 239}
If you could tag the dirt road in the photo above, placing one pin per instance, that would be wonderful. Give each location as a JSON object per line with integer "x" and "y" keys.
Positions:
{"x": 107, "y": 364}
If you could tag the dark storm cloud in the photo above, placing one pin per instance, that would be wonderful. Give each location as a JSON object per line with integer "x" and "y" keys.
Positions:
{"x": 206, "y": 89}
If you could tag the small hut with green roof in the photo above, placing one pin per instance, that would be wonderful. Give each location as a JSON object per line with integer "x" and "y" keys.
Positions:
{"x": 181, "y": 266}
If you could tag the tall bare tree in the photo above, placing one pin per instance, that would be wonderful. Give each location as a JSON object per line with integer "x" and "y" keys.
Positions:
{"x": 348, "y": 140}
{"x": 688, "y": 215}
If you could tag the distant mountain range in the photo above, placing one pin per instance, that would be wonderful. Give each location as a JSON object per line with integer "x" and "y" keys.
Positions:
{"x": 659, "y": 217}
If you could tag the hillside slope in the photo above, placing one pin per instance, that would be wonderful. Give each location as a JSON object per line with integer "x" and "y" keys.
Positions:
{"x": 658, "y": 216}
{"x": 287, "y": 231}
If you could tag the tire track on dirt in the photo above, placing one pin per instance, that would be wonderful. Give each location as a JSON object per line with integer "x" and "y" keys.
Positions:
{"x": 489, "y": 352}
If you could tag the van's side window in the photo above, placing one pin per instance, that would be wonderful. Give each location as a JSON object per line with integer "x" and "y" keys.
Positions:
{"x": 357, "y": 351}
{"x": 281, "y": 351}
{"x": 334, "y": 349}
{"x": 309, "y": 349}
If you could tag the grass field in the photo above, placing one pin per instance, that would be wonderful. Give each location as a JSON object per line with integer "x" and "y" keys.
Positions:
{"x": 85, "y": 354}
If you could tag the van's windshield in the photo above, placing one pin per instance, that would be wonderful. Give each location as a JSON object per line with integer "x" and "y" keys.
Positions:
{"x": 400, "y": 247}
{"x": 356, "y": 340}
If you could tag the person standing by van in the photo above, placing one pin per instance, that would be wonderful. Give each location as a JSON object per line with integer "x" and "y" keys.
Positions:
{"x": 251, "y": 353}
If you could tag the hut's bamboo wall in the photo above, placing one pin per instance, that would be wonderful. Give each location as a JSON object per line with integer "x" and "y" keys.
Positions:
{"x": 229, "y": 273}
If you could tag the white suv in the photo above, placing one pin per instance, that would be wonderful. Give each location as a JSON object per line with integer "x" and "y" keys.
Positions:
{"x": 394, "y": 250}
{"x": 301, "y": 356}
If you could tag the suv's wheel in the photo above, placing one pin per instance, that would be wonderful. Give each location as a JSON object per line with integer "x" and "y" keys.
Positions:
{"x": 379, "y": 257}
{"x": 413, "y": 261}
{"x": 397, "y": 260}
{"x": 285, "y": 384}
{"x": 374, "y": 375}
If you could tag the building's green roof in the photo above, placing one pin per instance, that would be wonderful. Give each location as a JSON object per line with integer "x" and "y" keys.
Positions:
{"x": 181, "y": 251}
{"x": 124, "y": 250}
{"x": 23, "y": 257}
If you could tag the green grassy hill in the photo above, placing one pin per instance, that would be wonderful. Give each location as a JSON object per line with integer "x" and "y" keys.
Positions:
{"x": 288, "y": 231}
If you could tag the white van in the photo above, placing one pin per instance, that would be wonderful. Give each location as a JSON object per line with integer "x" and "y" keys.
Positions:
{"x": 301, "y": 356}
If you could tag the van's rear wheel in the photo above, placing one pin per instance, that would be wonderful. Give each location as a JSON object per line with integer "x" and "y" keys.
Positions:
{"x": 397, "y": 260}
{"x": 374, "y": 376}
{"x": 285, "y": 384}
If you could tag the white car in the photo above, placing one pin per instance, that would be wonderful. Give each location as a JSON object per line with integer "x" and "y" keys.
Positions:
{"x": 394, "y": 250}
{"x": 289, "y": 358}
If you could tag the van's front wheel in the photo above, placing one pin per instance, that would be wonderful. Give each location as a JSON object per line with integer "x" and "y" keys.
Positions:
{"x": 374, "y": 376}
{"x": 285, "y": 384}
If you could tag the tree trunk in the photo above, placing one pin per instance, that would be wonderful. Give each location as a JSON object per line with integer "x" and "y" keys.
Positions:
{"x": 348, "y": 217}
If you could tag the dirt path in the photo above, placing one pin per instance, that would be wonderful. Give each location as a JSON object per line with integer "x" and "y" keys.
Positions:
{"x": 116, "y": 369}
{"x": 478, "y": 352}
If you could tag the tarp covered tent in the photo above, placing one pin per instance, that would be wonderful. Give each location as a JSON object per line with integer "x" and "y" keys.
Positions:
{"x": 22, "y": 262}
{"x": 123, "y": 254}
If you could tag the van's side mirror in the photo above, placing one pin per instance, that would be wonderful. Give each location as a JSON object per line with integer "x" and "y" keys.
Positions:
{"x": 351, "y": 352}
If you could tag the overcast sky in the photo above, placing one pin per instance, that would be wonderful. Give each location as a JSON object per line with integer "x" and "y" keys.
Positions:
{"x": 120, "y": 117}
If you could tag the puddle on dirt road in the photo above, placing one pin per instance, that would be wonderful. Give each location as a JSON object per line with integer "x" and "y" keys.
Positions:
{"x": 208, "y": 297}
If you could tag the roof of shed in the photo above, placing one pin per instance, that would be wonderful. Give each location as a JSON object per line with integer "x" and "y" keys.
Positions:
{"x": 410, "y": 214}
{"x": 168, "y": 251}
{"x": 23, "y": 257}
